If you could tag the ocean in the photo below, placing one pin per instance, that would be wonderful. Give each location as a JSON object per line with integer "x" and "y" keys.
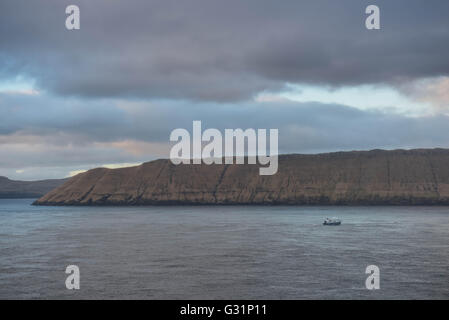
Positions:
{"x": 222, "y": 252}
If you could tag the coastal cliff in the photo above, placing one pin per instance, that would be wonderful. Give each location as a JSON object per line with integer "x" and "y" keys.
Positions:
{"x": 377, "y": 177}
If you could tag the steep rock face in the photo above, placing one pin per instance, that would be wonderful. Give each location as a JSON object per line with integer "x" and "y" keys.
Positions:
{"x": 368, "y": 177}
{"x": 27, "y": 189}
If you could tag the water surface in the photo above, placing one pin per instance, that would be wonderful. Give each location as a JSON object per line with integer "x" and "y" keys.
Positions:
{"x": 236, "y": 252}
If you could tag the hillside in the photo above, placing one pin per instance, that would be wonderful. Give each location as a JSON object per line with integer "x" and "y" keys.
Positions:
{"x": 377, "y": 177}
{"x": 27, "y": 189}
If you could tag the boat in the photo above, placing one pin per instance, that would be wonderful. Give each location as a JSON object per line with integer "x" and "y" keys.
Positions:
{"x": 332, "y": 222}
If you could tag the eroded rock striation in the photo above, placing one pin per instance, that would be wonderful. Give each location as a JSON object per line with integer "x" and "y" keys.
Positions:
{"x": 377, "y": 177}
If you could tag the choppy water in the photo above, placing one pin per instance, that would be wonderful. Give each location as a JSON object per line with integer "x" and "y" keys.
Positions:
{"x": 239, "y": 252}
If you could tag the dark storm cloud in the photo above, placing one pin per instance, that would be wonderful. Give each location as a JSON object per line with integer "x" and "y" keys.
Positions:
{"x": 217, "y": 50}
{"x": 47, "y": 136}
{"x": 41, "y": 114}
{"x": 303, "y": 127}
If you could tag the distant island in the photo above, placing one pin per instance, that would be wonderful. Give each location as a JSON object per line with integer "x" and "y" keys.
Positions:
{"x": 12, "y": 189}
{"x": 377, "y": 177}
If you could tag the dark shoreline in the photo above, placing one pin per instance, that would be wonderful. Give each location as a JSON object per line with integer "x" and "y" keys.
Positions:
{"x": 274, "y": 204}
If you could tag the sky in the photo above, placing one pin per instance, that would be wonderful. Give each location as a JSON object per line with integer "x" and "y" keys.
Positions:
{"x": 110, "y": 93}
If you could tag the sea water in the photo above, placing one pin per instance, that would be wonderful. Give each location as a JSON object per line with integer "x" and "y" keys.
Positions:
{"x": 222, "y": 252}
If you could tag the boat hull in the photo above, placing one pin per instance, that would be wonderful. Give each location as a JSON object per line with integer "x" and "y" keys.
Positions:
{"x": 332, "y": 223}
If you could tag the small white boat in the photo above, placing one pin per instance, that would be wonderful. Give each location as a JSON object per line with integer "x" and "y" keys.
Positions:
{"x": 332, "y": 222}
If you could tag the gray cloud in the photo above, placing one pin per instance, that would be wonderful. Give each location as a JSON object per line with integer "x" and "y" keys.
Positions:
{"x": 44, "y": 132}
{"x": 113, "y": 91}
{"x": 216, "y": 50}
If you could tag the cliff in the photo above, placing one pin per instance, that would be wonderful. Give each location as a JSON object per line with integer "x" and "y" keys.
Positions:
{"x": 27, "y": 189}
{"x": 377, "y": 177}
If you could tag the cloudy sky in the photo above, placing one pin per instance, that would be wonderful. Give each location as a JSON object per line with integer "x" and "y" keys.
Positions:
{"x": 111, "y": 92}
